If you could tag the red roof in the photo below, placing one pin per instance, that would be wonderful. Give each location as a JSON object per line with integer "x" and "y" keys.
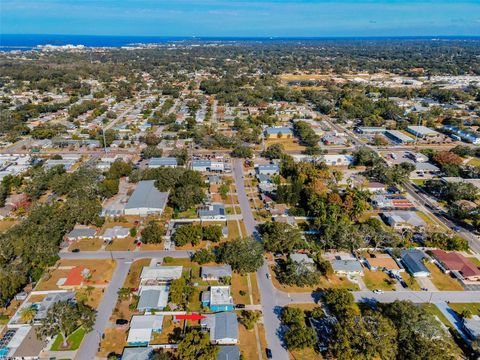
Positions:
{"x": 75, "y": 277}
{"x": 455, "y": 261}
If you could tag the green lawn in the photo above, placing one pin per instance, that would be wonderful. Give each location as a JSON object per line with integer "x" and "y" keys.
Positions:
{"x": 433, "y": 310}
{"x": 459, "y": 307}
{"x": 74, "y": 341}
{"x": 442, "y": 281}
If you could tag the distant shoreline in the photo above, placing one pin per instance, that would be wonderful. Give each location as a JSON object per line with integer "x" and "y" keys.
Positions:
{"x": 22, "y": 42}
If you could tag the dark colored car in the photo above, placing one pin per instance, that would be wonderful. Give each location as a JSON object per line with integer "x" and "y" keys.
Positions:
{"x": 240, "y": 306}
{"x": 121, "y": 322}
{"x": 269, "y": 353}
{"x": 76, "y": 250}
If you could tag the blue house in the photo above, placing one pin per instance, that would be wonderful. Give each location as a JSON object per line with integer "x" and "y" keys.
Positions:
{"x": 218, "y": 298}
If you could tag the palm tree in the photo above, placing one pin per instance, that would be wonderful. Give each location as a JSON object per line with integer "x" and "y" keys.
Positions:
{"x": 124, "y": 293}
{"x": 28, "y": 314}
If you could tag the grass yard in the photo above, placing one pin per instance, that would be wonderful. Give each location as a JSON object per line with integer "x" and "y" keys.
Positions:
{"x": 433, "y": 310}
{"x": 443, "y": 282}
{"x": 411, "y": 282}
{"x": 169, "y": 327}
{"x": 247, "y": 343}
{"x": 233, "y": 230}
{"x": 91, "y": 296}
{"x": 114, "y": 341}
{"x": 86, "y": 244}
{"x": 50, "y": 278}
{"x": 255, "y": 291}
{"x": 133, "y": 277}
{"x": 188, "y": 214}
{"x": 459, "y": 307}
{"x": 239, "y": 284}
{"x": 73, "y": 341}
{"x": 263, "y": 339}
{"x": 378, "y": 280}
{"x": 288, "y": 144}
{"x": 121, "y": 244}
{"x": 336, "y": 282}
{"x": 474, "y": 261}
{"x": 474, "y": 162}
{"x": 306, "y": 354}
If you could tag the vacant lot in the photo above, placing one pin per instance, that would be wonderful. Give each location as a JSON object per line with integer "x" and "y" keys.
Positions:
{"x": 86, "y": 244}
{"x": 133, "y": 277}
{"x": 442, "y": 281}
{"x": 114, "y": 341}
{"x": 378, "y": 280}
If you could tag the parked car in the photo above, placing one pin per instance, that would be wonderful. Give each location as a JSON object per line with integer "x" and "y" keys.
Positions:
{"x": 378, "y": 291}
{"x": 240, "y": 306}
{"x": 121, "y": 322}
{"x": 268, "y": 276}
{"x": 269, "y": 353}
{"x": 75, "y": 250}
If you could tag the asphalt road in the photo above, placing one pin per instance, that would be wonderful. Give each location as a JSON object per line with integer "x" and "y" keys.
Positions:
{"x": 271, "y": 302}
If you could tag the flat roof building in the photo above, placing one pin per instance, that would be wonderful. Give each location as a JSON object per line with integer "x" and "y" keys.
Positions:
{"x": 154, "y": 163}
{"x": 422, "y": 131}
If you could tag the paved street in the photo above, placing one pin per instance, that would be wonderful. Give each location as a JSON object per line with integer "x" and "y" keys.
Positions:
{"x": 271, "y": 303}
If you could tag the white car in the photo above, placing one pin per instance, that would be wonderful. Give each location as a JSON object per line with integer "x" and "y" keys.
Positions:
{"x": 378, "y": 291}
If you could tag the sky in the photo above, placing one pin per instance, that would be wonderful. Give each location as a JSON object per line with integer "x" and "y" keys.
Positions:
{"x": 282, "y": 18}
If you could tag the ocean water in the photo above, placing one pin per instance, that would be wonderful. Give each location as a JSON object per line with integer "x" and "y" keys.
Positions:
{"x": 9, "y": 42}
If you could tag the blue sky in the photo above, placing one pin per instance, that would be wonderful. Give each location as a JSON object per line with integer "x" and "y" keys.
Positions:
{"x": 241, "y": 17}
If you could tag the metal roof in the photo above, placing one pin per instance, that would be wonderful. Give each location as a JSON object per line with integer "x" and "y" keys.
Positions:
{"x": 146, "y": 195}
{"x": 162, "y": 161}
{"x": 216, "y": 271}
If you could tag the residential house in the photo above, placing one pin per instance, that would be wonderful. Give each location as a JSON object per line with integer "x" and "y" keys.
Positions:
{"x": 216, "y": 273}
{"x": 413, "y": 262}
{"x": 403, "y": 220}
{"x": 268, "y": 169}
{"x": 228, "y": 352}
{"x": 218, "y": 298}
{"x": 212, "y": 212}
{"x": 49, "y": 300}
{"x": 347, "y": 266}
{"x": 222, "y": 326}
{"x": 208, "y": 165}
{"x": 458, "y": 264}
{"x": 76, "y": 278}
{"x": 375, "y": 187}
{"x": 137, "y": 353}
{"x": 81, "y": 233}
{"x": 304, "y": 260}
{"x": 153, "y": 297}
{"x": 116, "y": 232}
{"x": 156, "y": 275}
{"x": 146, "y": 200}
{"x": 142, "y": 327}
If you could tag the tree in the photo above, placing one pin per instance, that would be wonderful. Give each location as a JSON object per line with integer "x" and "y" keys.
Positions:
{"x": 195, "y": 345}
{"x": 152, "y": 151}
{"x": 242, "y": 152}
{"x": 212, "y": 233}
{"x": 281, "y": 237}
{"x": 203, "y": 256}
{"x": 27, "y": 314}
{"x": 153, "y": 233}
{"x": 419, "y": 334}
{"x": 243, "y": 254}
{"x": 181, "y": 292}
{"x": 274, "y": 151}
{"x": 119, "y": 169}
{"x": 124, "y": 293}
{"x": 249, "y": 318}
{"x": 447, "y": 158}
{"x": 188, "y": 233}
{"x": 292, "y": 316}
{"x": 339, "y": 301}
{"x": 64, "y": 317}
{"x": 300, "y": 337}
{"x": 297, "y": 273}
{"x": 369, "y": 336}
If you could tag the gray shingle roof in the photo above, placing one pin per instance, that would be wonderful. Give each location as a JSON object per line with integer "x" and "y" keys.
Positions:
{"x": 413, "y": 261}
{"x": 228, "y": 352}
{"x": 216, "y": 271}
{"x": 222, "y": 325}
{"x": 162, "y": 161}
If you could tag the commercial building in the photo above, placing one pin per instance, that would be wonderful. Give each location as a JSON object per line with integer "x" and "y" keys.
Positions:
{"x": 146, "y": 200}
{"x": 170, "y": 162}
{"x": 398, "y": 137}
{"x": 278, "y": 133}
{"x": 422, "y": 131}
